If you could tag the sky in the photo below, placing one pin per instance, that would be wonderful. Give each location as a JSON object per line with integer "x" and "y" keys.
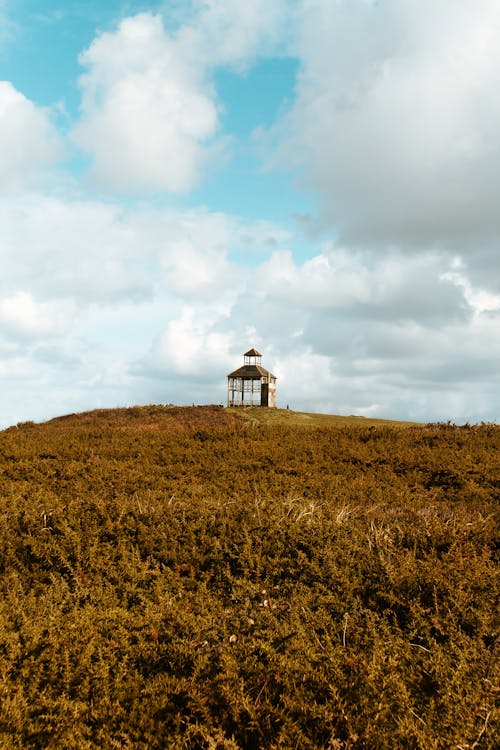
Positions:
{"x": 181, "y": 181}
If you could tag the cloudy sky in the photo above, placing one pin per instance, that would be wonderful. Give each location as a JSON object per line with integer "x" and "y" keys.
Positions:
{"x": 182, "y": 180}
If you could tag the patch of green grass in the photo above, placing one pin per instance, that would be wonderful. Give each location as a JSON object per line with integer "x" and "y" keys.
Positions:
{"x": 263, "y": 415}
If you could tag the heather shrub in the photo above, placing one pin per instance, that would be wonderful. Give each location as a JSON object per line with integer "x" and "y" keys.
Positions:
{"x": 176, "y": 578}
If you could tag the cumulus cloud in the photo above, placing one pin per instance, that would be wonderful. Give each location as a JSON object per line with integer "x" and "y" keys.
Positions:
{"x": 395, "y": 123}
{"x": 22, "y": 316}
{"x": 106, "y": 254}
{"x": 146, "y": 114}
{"x": 343, "y": 331}
{"x": 28, "y": 140}
{"x": 149, "y": 108}
{"x": 191, "y": 346}
{"x": 89, "y": 290}
{"x": 365, "y": 285}
{"x": 297, "y": 371}
{"x": 84, "y": 250}
{"x": 340, "y": 339}
{"x": 411, "y": 313}
{"x": 233, "y": 32}
{"x": 190, "y": 272}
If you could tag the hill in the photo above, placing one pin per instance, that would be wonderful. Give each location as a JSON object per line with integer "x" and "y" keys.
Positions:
{"x": 177, "y": 577}
{"x": 310, "y": 419}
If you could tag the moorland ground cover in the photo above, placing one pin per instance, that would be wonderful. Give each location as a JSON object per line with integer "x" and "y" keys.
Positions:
{"x": 184, "y": 578}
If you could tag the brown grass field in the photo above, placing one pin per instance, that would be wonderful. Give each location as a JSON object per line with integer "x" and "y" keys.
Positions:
{"x": 207, "y": 578}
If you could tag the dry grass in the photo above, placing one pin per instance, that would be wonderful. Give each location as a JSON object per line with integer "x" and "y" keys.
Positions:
{"x": 170, "y": 578}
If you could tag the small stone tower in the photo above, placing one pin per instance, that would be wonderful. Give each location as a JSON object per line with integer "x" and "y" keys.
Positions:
{"x": 252, "y": 384}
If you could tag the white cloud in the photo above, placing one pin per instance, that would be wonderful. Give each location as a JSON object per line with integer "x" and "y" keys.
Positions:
{"x": 21, "y": 315}
{"x": 105, "y": 254}
{"x": 146, "y": 114}
{"x": 363, "y": 285}
{"x": 392, "y": 370}
{"x": 89, "y": 289}
{"x": 84, "y": 250}
{"x": 303, "y": 375}
{"x": 481, "y": 300}
{"x": 189, "y": 345}
{"x": 344, "y": 332}
{"x": 192, "y": 273}
{"x": 233, "y": 32}
{"x": 28, "y": 140}
{"x": 350, "y": 333}
{"x": 396, "y": 122}
{"x": 149, "y": 108}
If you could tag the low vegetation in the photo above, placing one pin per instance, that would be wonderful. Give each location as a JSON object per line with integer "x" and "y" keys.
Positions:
{"x": 268, "y": 416}
{"x": 192, "y": 578}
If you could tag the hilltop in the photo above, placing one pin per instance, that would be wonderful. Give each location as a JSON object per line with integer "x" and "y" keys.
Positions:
{"x": 198, "y": 577}
{"x": 289, "y": 417}
{"x": 159, "y": 417}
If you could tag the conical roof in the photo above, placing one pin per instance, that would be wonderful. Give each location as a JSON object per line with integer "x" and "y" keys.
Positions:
{"x": 251, "y": 372}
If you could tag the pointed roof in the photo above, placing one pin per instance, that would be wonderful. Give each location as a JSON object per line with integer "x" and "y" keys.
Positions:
{"x": 251, "y": 372}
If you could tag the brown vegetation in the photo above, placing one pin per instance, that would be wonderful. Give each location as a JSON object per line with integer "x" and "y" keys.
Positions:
{"x": 185, "y": 578}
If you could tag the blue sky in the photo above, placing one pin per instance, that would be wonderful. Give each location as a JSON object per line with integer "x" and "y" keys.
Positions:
{"x": 180, "y": 181}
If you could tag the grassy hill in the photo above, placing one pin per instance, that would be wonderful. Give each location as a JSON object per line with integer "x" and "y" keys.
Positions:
{"x": 309, "y": 419}
{"x": 199, "y": 578}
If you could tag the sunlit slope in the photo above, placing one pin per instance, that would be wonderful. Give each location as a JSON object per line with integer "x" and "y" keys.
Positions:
{"x": 310, "y": 419}
{"x": 152, "y": 418}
